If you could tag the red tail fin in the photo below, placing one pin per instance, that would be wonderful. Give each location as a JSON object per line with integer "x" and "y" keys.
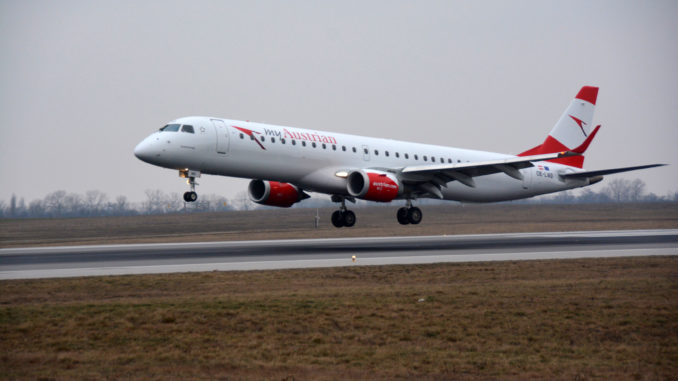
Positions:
{"x": 571, "y": 132}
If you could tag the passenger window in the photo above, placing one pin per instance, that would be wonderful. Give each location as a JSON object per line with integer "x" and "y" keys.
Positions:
{"x": 442, "y": 160}
{"x": 425, "y": 158}
{"x": 313, "y": 144}
{"x": 294, "y": 142}
{"x": 334, "y": 147}
{"x": 272, "y": 140}
{"x": 282, "y": 140}
{"x": 324, "y": 146}
{"x": 343, "y": 148}
{"x": 242, "y": 136}
{"x": 416, "y": 157}
{"x": 303, "y": 143}
{"x": 386, "y": 153}
{"x": 397, "y": 154}
{"x": 171, "y": 128}
{"x": 187, "y": 128}
{"x": 366, "y": 151}
{"x": 354, "y": 151}
{"x": 251, "y": 137}
{"x": 449, "y": 160}
{"x": 407, "y": 156}
{"x": 263, "y": 139}
{"x": 376, "y": 152}
{"x": 433, "y": 159}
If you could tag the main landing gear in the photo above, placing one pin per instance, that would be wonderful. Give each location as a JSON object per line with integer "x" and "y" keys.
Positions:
{"x": 409, "y": 214}
{"x": 343, "y": 216}
{"x": 190, "y": 196}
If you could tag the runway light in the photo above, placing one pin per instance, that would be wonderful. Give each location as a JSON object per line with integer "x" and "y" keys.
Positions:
{"x": 353, "y": 258}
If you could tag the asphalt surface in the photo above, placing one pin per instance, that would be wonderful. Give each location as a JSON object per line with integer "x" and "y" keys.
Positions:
{"x": 70, "y": 261}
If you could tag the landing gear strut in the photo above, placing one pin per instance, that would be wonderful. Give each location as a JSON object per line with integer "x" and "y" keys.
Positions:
{"x": 343, "y": 216}
{"x": 190, "y": 196}
{"x": 409, "y": 214}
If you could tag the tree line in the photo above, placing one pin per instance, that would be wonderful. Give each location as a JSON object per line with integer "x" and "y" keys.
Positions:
{"x": 95, "y": 203}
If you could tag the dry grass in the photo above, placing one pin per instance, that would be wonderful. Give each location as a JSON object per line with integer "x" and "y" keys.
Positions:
{"x": 298, "y": 223}
{"x": 572, "y": 320}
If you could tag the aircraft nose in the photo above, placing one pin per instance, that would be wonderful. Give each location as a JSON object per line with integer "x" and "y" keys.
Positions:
{"x": 144, "y": 151}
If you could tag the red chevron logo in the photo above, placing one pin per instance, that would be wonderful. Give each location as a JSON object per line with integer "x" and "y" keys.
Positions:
{"x": 581, "y": 124}
{"x": 251, "y": 133}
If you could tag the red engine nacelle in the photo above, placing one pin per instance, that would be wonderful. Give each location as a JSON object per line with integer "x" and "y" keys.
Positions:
{"x": 373, "y": 185}
{"x": 274, "y": 193}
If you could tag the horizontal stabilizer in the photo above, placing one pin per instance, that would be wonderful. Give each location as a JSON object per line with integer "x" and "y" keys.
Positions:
{"x": 579, "y": 175}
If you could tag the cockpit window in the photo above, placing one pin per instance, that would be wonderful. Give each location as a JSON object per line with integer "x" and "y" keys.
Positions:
{"x": 171, "y": 127}
{"x": 187, "y": 128}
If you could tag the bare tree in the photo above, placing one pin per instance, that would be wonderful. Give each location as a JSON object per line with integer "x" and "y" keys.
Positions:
{"x": 154, "y": 201}
{"x": 617, "y": 190}
{"x": 242, "y": 201}
{"x": 587, "y": 196}
{"x": 120, "y": 205}
{"x": 12, "y": 206}
{"x": 55, "y": 202}
{"x": 36, "y": 208}
{"x": 94, "y": 202}
{"x": 636, "y": 190}
{"x": 173, "y": 202}
{"x": 621, "y": 190}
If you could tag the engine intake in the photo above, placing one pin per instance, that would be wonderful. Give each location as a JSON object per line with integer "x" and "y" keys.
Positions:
{"x": 373, "y": 185}
{"x": 274, "y": 193}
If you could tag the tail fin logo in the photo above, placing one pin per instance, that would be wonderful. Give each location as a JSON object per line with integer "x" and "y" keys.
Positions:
{"x": 580, "y": 123}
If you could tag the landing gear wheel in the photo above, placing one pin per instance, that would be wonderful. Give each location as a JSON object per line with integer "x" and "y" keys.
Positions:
{"x": 190, "y": 196}
{"x": 349, "y": 218}
{"x": 414, "y": 215}
{"x": 402, "y": 216}
{"x": 337, "y": 219}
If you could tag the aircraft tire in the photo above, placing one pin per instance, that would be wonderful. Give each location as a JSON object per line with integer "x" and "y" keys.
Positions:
{"x": 337, "y": 219}
{"x": 414, "y": 215}
{"x": 190, "y": 196}
{"x": 349, "y": 218}
{"x": 402, "y": 216}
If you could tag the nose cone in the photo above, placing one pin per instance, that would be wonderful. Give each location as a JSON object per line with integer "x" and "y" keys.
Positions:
{"x": 145, "y": 151}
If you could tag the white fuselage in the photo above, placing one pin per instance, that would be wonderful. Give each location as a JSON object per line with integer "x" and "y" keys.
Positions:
{"x": 313, "y": 160}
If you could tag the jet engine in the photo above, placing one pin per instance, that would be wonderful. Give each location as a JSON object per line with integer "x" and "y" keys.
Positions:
{"x": 274, "y": 193}
{"x": 373, "y": 185}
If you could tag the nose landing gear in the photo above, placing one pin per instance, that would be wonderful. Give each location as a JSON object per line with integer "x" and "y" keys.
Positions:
{"x": 190, "y": 196}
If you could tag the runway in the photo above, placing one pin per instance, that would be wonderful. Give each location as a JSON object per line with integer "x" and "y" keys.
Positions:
{"x": 73, "y": 261}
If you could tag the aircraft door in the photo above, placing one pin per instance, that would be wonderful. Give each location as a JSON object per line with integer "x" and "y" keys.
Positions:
{"x": 366, "y": 153}
{"x": 222, "y": 136}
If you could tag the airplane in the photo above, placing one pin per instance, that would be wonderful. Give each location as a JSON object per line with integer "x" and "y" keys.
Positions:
{"x": 284, "y": 163}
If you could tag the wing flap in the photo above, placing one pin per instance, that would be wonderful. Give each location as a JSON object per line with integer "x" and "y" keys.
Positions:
{"x": 465, "y": 172}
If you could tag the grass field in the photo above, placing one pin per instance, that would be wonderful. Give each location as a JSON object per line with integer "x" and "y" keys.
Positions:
{"x": 299, "y": 223}
{"x": 572, "y": 320}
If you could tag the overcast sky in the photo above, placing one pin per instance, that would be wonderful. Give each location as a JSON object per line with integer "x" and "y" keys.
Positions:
{"x": 82, "y": 82}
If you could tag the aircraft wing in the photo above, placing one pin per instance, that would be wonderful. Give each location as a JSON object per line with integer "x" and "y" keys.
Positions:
{"x": 429, "y": 178}
{"x": 581, "y": 175}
